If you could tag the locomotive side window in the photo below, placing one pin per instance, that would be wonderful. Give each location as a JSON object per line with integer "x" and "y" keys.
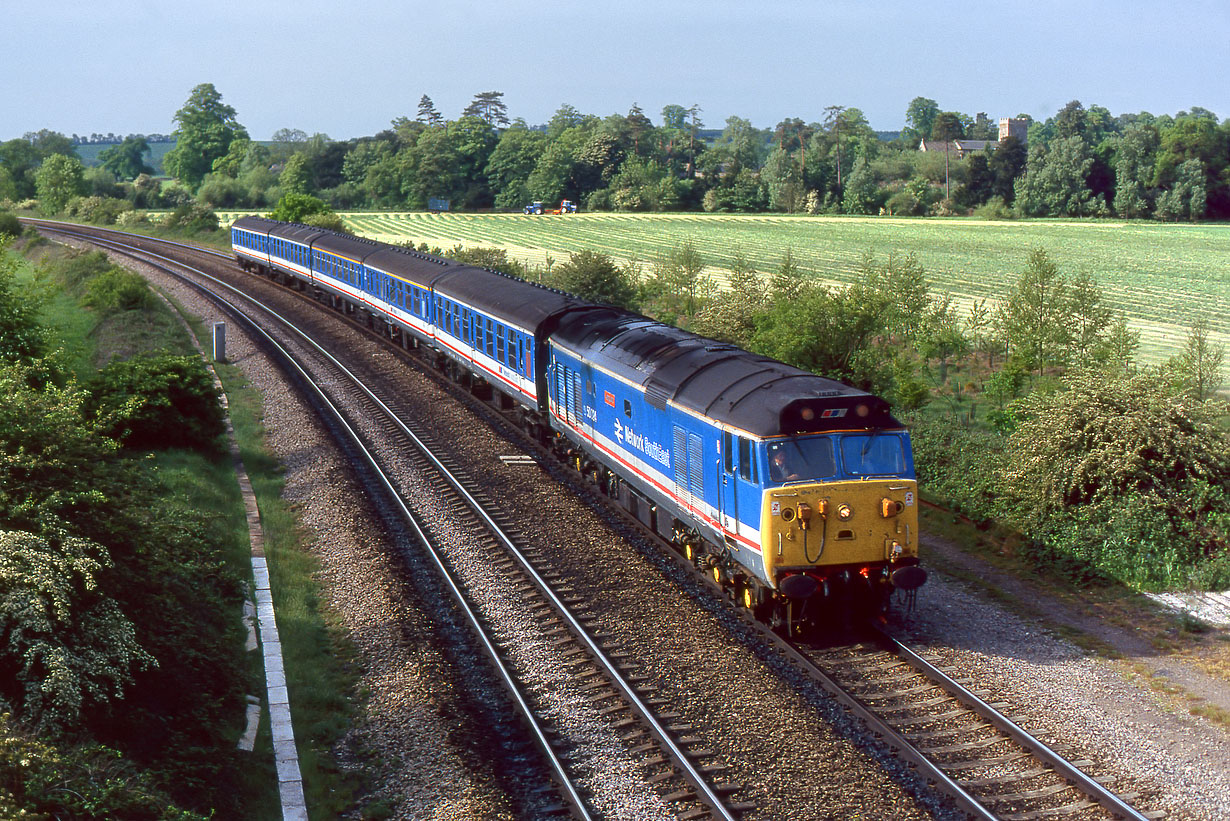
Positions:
{"x": 747, "y": 468}
{"x": 728, "y": 456}
{"x": 628, "y": 408}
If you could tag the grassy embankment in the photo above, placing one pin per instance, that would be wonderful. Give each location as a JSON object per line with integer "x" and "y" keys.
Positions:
{"x": 319, "y": 684}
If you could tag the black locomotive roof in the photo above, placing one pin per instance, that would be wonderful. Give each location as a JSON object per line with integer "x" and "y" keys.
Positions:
{"x": 753, "y": 393}
{"x": 513, "y": 300}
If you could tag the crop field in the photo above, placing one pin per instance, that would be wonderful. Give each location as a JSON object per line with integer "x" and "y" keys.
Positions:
{"x": 1161, "y": 275}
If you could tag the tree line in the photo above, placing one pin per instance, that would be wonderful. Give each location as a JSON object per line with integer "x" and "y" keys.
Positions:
{"x": 1080, "y": 162}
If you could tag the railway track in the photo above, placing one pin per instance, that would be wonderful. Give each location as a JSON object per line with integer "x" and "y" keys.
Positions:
{"x": 604, "y": 675}
{"x": 986, "y": 764}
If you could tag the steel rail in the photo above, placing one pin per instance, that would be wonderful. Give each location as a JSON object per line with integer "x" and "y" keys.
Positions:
{"x": 1062, "y": 767}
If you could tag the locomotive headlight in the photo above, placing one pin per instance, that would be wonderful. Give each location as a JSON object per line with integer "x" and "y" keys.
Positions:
{"x": 844, "y": 512}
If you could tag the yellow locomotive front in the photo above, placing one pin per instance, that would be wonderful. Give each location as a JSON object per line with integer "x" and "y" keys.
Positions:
{"x": 840, "y": 518}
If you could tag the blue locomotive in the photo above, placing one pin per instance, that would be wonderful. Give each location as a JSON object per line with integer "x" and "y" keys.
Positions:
{"x": 791, "y": 490}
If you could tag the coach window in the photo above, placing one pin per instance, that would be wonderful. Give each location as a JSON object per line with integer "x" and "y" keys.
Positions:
{"x": 499, "y": 344}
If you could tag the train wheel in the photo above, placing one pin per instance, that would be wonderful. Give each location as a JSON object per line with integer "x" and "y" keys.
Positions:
{"x": 748, "y": 598}
{"x": 717, "y": 574}
{"x": 689, "y": 551}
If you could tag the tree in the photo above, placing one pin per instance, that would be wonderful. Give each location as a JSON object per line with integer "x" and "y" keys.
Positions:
{"x": 294, "y": 178}
{"x": 290, "y": 136}
{"x": 428, "y": 113}
{"x": 1198, "y": 366}
{"x": 1089, "y": 317}
{"x": 20, "y": 159}
{"x": 57, "y": 181}
{"x": 1055, "y": 181}
{"x": 595, "y": 276}
{"x": 980, "y": 181}
{"x": 206, "y": 127}
{"x": 1188, "y": 195}
{"x": 1071, "y": 121}
{"x": 920, "y": 117}
{"x": 947, "y": 126}
{"x": 640, "y": 128}
{"x": 733, "y": 317}
{"x": 1134, "y": 163}
{"x": 126, "y": 160}
{"x": 1005, "y": 165}
{"x": 861, "y": 194}
{"x": 1035, "y": 316}
{"x": 510, "y": 164}
{"x": 1201, "y": 140}
{"x": 680, "y": 276}
{"x": 488, "y": 106}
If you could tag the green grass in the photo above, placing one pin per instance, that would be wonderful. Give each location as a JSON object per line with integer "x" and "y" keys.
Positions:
{"x": 1161, "y": 275}
{"x": 314, "y": 652}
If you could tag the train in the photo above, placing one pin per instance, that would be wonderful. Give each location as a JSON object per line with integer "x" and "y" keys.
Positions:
{"x": 795, "y": 493}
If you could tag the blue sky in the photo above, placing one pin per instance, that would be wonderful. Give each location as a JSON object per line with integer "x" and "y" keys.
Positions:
{"x": 348, "y": 68}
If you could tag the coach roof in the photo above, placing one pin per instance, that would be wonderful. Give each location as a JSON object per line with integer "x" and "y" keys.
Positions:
{"x": 514, "y": 301}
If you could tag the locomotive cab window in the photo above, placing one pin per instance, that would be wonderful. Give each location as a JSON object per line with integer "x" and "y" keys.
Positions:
{"x": 747, "y": 467}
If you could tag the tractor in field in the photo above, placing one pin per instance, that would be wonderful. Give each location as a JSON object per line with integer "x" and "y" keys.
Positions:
{"x": 565, "y": 207}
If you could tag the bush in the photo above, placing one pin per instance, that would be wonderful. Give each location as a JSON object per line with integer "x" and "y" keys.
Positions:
{"x": 39, "y": 781}
{"x": 192, "y": 217}
{"x": 995, "y": 209}
{"x": 293, "y": 207}
{"x": 329, "y": 222}
{"x": 131, "y": 219}
{"x": 159, "y": 402}
{"x": 76, "y": 269}
{"x": 117, "y": 289}
{"x": 98, "y": 210}
{"x": 957, "y": 464}
{"x": 9, "y": 224}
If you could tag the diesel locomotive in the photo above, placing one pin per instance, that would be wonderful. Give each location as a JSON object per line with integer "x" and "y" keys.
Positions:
{"x": 794, "y": 492}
